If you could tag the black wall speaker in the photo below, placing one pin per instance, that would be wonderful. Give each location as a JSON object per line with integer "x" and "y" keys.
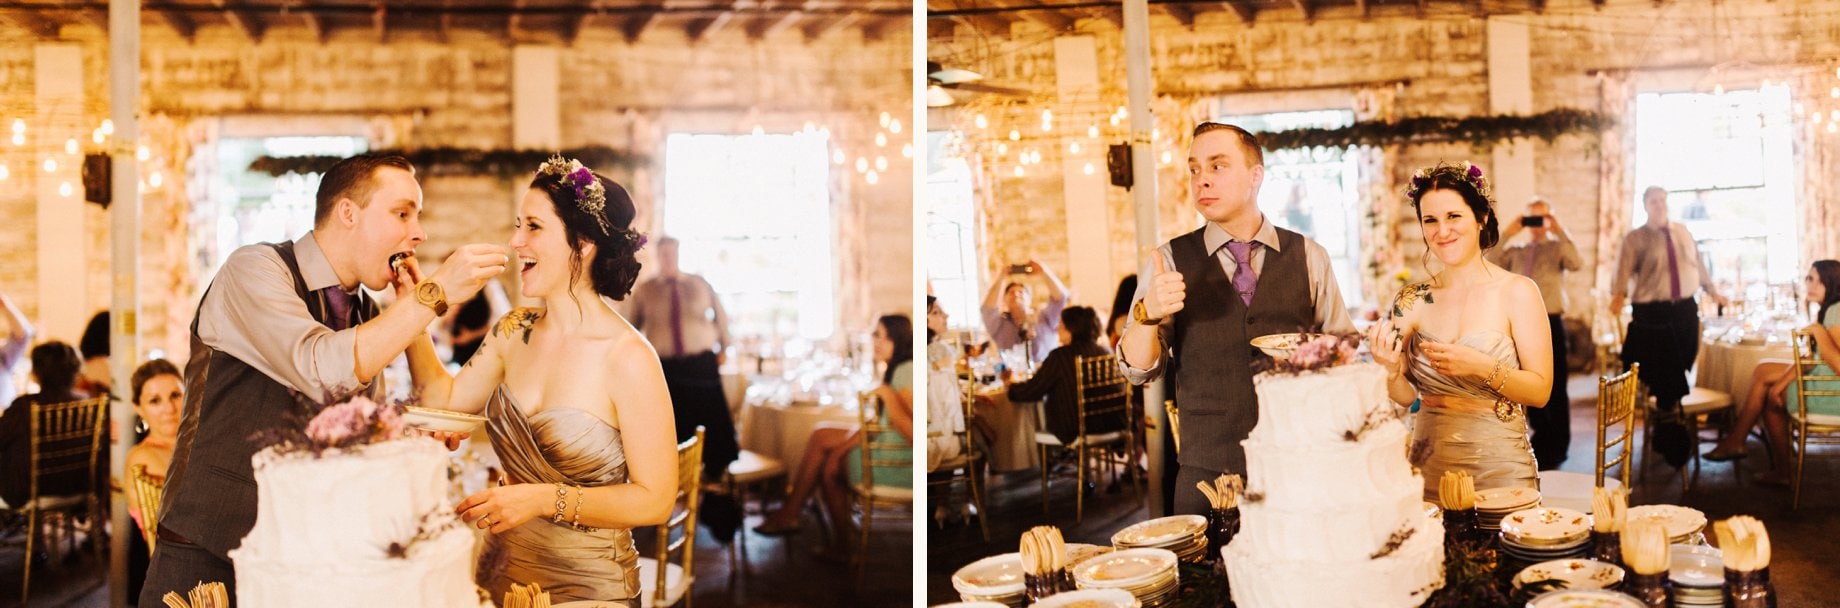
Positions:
{"x": 1118, "y": 163}
{"x": 96, "y": 188}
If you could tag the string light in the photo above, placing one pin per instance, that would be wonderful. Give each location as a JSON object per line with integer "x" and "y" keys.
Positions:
{"x": 1018, "y": 170}
{"x": 759, "y": 131}
{"x": 871, "y": 177}
{"x": 824, "y": 132}
{"x": 881, "y": 163}
{"x": 1167, "y": 157}
{"x": 886, "y": 118}
{"x": 894, "y": 125}
{"x": 70, "y": 146}
{"x": 155, "y": 179}
{"x": 907, "y": 150}
{"x": 1073, "y": 148}
{"x": 1093, "y": 131}
{"x": 836, "y": 157}
{"x": 50, "y": 165}
{"x": 96, "y": 136}
{"x": 1002, "y": 149}
{"x": 64, "y": 189}
{"x": 982, "y": 123}
{"x": 19, "y": 139}
{"x": 4, "y": 172}
{"x": 881, "y": 140}
{"x": 1088, "y": 169}
{"x": 1015, "y": 135}
{"x": 108, "y": 127}
{"x": 862, "y": 164}
{"x": 19, "y": 125}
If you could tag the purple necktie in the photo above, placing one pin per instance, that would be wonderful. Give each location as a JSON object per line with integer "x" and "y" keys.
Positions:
{"x": 338, "y": 305}
{"x": 1527, "y": 266}
{"x": 1243, "y": 280}
{"x": 1673, "y": 264}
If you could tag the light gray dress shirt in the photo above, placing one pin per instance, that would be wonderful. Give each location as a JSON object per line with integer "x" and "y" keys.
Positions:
{"x": 1551, "y": 258}
{"x": 705, "y": 324}
{"x": 1325, "y": 296}
{"x": 1644, "y": 261}
{"x": 252, "y": 313}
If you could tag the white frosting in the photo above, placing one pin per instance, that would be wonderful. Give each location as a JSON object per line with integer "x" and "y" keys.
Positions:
{"x": 324, "y": 526}
{"x": 1329, "y": 488}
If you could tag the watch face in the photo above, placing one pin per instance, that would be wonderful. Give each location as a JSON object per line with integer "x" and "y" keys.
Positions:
{"x": 428, "y": 292}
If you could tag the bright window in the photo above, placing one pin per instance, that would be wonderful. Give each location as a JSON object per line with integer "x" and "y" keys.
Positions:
{"x": 951, "y": 235}
{"x": 252, "y": 207}
{"x": 1727, "y": 164}
{"x": 752, "y": 215}
{"x": 1313, "y": 191}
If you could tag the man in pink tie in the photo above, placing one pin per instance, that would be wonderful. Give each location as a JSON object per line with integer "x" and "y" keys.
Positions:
{"x": 1659, "y": 268}
{"x": 1212, "y": 291}
{"x": 681, "y": 315}
{"x": 1545, "y": 258}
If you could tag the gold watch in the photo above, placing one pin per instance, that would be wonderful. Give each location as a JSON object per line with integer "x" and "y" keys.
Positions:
{"x": 430, "y": 294}
{"x": 1141, "y": 314}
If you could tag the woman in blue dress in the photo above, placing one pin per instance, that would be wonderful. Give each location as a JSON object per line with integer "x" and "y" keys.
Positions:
{"x": 1773, "y": 392}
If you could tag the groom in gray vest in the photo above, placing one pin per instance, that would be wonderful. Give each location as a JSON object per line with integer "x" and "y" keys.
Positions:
{"x": 1211, "y": 292}
{"x": 286, "y": 319}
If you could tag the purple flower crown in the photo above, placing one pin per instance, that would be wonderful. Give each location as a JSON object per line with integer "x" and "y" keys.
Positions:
{"x": 1423, "y": 178}
{"x": 590, "y": 195}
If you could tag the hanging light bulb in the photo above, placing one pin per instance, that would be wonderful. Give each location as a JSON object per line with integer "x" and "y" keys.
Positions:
{"x": 4, "y": 173}
{"x": 1073, "y": 148}
{"x": 70, "y": 146}
{"x": 881, "y": 140}
{"x": 1167, "y": 157}
{"x": 862, "y": 164}
{"x": 759, "y": 131}
{"x": 1834, "y": 92}
{"x": 142, "y": 153}
{"x": 885, "y": 119}
{"x": 50, "y": 165}
{"x": 19, "y": 125}
{"x": 1156, "y": 134}
{"x": 871, "y": 177}
{"x": 64, "y": 189}
{"x": 1093, "y": 131}
{"x": 1088, "y": 169}
{"x": 907, "y": 150}
{"x": 982, "y": 123}
{"x": 1047, "y": 115}
{"x": 1718, "y": 88}
{"x": 837, "y": 157}
{"x": 881, "y": 163}
{"x": 1015, "y": 135}
{"x": 1018, "y": 170}
{"x": 96, "y": 136}
{"x": 1830, "y": 127}
{"x": 894, "y": 125}
{"x": 19, "y": 139}
{"x": 155, "y": 179}
{"x": 1114, "y": 120}
{"x": 1002, "y": 149}
{"x": 108, "y": 127}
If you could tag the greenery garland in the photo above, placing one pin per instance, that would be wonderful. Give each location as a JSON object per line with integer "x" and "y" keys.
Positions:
{"x": 1476, "y": 130}
{"x": 463, "y": 161}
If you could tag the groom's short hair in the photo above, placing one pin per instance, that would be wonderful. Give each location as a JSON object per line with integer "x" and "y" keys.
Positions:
{"x": 1248, "y": 143}
{"x": 353, "y": 178}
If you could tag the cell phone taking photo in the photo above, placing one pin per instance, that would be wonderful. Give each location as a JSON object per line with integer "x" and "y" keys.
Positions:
{"x": 1534, "y": 221}
{"x": 1021, "y": 269}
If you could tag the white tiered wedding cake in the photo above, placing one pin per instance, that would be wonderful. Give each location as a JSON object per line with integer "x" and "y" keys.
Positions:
{"x": 1333, "y": 514}
{"x": 366, "y": 525}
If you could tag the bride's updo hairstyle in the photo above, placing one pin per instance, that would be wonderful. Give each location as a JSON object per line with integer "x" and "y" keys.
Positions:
{"x": 595, "y": 210}
{"x": 1466, "y": 180}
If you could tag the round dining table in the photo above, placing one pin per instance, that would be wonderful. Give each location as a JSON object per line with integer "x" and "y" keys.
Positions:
{"x": 1727, "y": 367}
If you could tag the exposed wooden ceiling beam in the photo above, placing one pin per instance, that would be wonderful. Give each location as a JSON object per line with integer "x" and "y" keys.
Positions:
{"x": 244, "y": 21}
{"x": 1053, "y": 19}
{"x": 642, "y": 20}
{"x": 316, "y": 25}
{"x": 1308, "y": 9}
{"x": 1242, "y": 9}
{"x": 34, "y": 22}
{"x": 515, "y": 21}
{"x": 182, "y": 24}
{"x": 769, "y": 26}
{"x": 881, "y": 28}
{"x": 1366, "y": 11}
{"x": 1184, "y": 15}
{"x": 573, "y": 26}
{"x": 815, "y": 29}
{"x": 380, "y": 22}
{"x": 701, "y": 29}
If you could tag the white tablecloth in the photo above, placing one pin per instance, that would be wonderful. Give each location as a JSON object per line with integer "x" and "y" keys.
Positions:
{"x": 1012, "y": 425}
{"x": 1727, "y": 367}
{"x": 781, "y": 431}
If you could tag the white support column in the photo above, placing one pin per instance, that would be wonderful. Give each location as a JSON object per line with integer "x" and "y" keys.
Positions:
{"x": 536, "y": 98}
{"x": 1089, "y": 261}
{"x": 1143, "y": 199}
{"x": 1511, "y": 172}
{"x": 124, "y": 267}
{"x": 64, "y": 305}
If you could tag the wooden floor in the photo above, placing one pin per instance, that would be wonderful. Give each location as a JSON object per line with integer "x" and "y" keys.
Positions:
{"x": 783, "y": 573}
{"x": 1806, "y": 542}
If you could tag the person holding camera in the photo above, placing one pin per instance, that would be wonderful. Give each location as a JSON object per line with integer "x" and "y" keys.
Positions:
{"x": 1545, "y": 257}
{"x": 1014, "y": 320}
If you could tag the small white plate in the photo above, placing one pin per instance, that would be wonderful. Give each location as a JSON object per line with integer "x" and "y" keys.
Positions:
{"x": 1506, "y": 499}
{"x": 441, "y": 420}
{"x": 1128, "y": 568}
{"x": 1549, "y": 524}
{"x": 1696, "y": 566}
{"x": 1282, "y": 346}
{"x": 1089, "y": 598}
{"x": 958, "y": 605}
{"x": 996, "y": 575}
{"x": 1679, "y": 521}
{"x": 1572, "y": 573}
{"x": 1583, "y": 598}
{"x": 1160, "y": 531}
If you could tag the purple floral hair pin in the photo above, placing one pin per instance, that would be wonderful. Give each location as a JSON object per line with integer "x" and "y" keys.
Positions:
{"x": 1468, "y": 172}
{"x": 590, "y": 195}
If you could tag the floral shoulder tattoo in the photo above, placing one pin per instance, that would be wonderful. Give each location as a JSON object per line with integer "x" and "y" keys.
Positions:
{"x": 518, "y": 321}
{"x": 1409, "y": 296}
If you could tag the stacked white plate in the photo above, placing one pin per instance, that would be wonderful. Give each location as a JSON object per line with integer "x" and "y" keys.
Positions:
{"x": 1090, "y": 598}
{"x": 1572, "y": 574}
{"x": 1698, "y": 574}
{"x": 1683, "y": 524}
{"x": 997, "y": 578}
{"x": 1495, "y": 503}
{"x": 1545, "y": 533}
{"x": 1184, "y": 535}
{"x": 1147, "y": 574}
{"x": 972, "y": 605}
{"x": 1584, "y": 598}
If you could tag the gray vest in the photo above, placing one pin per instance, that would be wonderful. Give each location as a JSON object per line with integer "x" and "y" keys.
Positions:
{"x": 210, "y": 496}
{"x": 1211, "y": 339}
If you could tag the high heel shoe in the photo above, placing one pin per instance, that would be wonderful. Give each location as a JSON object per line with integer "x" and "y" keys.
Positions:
{"x": 771, "y": 529}
{"x": 1722, "y": 455}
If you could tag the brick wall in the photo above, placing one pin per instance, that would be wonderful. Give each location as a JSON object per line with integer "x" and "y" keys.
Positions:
{"x": 416, "y": 90}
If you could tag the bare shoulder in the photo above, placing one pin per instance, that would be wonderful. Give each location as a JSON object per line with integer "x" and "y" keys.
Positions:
{"x": 518, "y": 323}
{"x": 1521, "y": 288}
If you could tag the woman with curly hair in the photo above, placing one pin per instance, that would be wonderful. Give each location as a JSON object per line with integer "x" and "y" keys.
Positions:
{"x": 1473, "y": 342}
{"x": 574, "y": 397}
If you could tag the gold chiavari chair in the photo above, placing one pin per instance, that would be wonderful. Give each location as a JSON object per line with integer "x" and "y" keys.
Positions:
{"x": 1175, "y": 423}
{"x": 1616, "y": 407}
{"x": 661, "y": 582}
{"x": 1102, "y": 405}
{"x": 147, "y": 491}
{"x": 963, "y": 469}
{"x": 885, "y": 449}
{"x": 65, "y": 439}
{"x": 1810, "y": 427}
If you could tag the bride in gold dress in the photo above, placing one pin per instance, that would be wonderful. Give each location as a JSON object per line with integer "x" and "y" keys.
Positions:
{"x": 574, "y": 397}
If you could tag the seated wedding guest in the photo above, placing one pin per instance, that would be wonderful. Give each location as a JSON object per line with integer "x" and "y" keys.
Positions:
{"x": 1015, "y": 320}
{"x": 158, "y": 390}
{"x": 945, "y": 414}
{"x": 94, "y": 346}
{"x": 1055, "y": 380}
{"x": 832, "y": 456}
{"x": 12, "y": 347}
{"x": 1121, "y": 309}
{"x": 1773, "y": 391}
{"x": 472, "y": 319}
{"x": 55, "y": 366}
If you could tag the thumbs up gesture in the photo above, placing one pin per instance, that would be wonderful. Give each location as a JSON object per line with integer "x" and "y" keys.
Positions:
{"x": 1167, "y": 290}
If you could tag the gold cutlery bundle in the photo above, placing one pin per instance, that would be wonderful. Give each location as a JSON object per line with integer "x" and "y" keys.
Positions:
{"x": 1645, "y": 547}
{"x": 1745, "y": 544}
{"x": 532, "y": 596}
{"x": 1609, "y": 509}
{"x": 1224, "y": 492}
{"x": 1043, "y": 551}
{"x": 205, "y": 595}
{"x": 1457, "y": 491}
